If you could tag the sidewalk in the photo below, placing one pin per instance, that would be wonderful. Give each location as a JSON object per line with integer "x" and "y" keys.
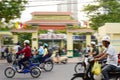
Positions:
{"x": 3, "y": 61}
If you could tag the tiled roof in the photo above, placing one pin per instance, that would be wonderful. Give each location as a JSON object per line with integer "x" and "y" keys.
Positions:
{"x": 51, "y": 13}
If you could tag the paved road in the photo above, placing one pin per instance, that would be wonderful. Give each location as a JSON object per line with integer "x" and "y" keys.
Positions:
{"x": 60, "y": 72}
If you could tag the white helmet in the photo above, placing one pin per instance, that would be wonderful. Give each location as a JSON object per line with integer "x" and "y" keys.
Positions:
{"x": 27, "y": 41}
{"x": 94, "y": 43}
{"x": 106, "y": 38}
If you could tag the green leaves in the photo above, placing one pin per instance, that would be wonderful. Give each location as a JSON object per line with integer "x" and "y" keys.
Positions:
{"x": 106, "y": 11}
{"x": 11, "y": 9}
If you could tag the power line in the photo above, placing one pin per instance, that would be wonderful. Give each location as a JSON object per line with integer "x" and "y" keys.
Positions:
{"x": 51, "y": 4}
{"x": 60, "y": 0}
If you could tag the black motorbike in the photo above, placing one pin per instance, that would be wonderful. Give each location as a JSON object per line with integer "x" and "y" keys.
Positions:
{"x": 88, "y": 75}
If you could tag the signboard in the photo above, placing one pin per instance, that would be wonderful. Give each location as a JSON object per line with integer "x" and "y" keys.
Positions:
{"x": 52, "y": 36}
{"x": 63, "y": 36}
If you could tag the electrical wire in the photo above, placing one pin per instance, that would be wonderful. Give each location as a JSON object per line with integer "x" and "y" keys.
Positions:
{"x": 51, "y": 4}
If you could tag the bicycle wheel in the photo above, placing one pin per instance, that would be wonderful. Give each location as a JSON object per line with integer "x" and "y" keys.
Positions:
{"x": 48, "y": 66}
{"x": 79, "y": 68}
{"x": 9, "y": 72}
{"x": 77, "y": 78}
{"x": 35, "y": 72}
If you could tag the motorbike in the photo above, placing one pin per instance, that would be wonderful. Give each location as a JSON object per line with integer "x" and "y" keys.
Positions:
{"x": 59, "y": 58}
{"x": 87, "y": 74}
{"x": 46, "y": 63}
{"x": 28, "y": 67}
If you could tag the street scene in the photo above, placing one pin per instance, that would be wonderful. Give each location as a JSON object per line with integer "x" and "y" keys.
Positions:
{"x": 59, "y": 39}
{"x": 60, "y": 72}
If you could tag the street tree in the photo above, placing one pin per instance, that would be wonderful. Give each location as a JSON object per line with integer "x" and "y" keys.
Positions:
{"x": 11, "y": 9}
{"x": 103, "y": 11}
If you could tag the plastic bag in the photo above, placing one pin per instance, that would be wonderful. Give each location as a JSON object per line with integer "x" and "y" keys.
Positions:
{"x": 96, "y": 70}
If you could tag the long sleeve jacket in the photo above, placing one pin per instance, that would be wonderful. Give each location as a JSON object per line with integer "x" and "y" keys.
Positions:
{"x": 26, "y": 51}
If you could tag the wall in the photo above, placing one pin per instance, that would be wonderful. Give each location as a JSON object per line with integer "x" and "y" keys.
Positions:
{"x": 113, "y": 30}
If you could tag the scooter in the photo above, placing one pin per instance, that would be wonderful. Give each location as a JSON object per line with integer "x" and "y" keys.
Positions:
{"x": 45, "y": 63}
{"x": 60, "y": 59}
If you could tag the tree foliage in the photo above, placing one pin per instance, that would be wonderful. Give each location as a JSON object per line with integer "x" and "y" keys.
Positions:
{"x": 11, "y": 9}
{"x": 102, "y": 12}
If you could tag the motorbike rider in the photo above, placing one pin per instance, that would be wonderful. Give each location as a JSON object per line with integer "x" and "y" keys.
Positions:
{"x": 39, "y": 54}
{"x": 26, "y": 51}
{"x": 95, "y": 50}
{"x": 45, "y": 45}
{"x": 112, "y": 57}
{"x": 93, "y": 53}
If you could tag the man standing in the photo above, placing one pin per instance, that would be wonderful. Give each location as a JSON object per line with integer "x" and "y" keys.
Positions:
{"x": 7, "y": 50}
{"x": 2, "y": 52}
{"x": 112, "y": 57}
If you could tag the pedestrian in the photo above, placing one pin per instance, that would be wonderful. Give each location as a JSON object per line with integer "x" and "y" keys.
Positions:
{"x": 2, "y": 52}
{"x": 7, "y": 50}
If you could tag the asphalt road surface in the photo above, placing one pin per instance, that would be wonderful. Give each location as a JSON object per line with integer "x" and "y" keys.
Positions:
{"x": 59, "y": 72}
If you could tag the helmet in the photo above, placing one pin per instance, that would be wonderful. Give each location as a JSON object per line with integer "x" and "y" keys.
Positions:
{"x": 106, "y": 38}
{"x": 45, "y": 44}
{"x": 93, "y": 43}
{"x": 27, "y": 41}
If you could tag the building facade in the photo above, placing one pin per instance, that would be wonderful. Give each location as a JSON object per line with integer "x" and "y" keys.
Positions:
{"x": 112, "y": 30}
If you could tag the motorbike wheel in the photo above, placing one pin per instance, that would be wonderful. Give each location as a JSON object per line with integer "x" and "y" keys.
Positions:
{"x": 77, "y": 78}
{"x": 35, "y": 72}
{"x": 48, "y": 66}
{"x": 9, "y": 72}
{"x": 79, "y": 67}
{"x": 118, "y": 78}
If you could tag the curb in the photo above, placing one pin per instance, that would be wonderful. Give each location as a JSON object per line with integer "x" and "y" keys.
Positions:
{"x": 3, "y": 61}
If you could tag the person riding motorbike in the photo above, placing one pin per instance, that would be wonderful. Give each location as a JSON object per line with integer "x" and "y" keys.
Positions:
{"x": 26, "y": 51}
{"x": 45, "y": 55}
{"x": 95, "y": 50}
{"x": 93, "y": 53}
{"x": 38, "y": 55}
{"x": 112, "y": 57}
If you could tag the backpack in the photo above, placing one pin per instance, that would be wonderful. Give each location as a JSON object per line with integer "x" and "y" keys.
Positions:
{"x": 9, "y": 58}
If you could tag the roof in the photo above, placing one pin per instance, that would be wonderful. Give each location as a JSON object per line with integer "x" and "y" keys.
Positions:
{"x": 51, "y": 22}
{"x": 51, "y": 13}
